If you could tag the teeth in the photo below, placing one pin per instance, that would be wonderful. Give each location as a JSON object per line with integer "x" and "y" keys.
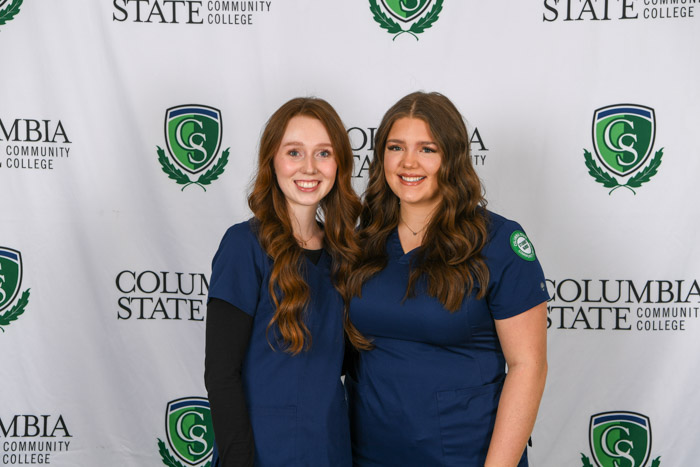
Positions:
{"x": 411, "y": 179}
{"x": 304, "y": 184}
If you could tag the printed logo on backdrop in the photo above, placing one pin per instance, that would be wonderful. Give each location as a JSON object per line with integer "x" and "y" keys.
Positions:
{"x": 8, "y": 10}
{"x": 603, "y": 305}
{"x": 32, "y": 144}
{"x": 193, "y": 140}
{"x": 623, "y": 140}
{"x": 33, "y": 439}
{"x": 620, "y": 439}
{"x": 614, "y": 10}
{"x": 162, "y": 295}
{"x": 10, "y": 286}
{"x": 405, "y": 16}
{"x": 189, "y": 432}
{"x": 362, "y": 143}
{"x": 212, "y": 12}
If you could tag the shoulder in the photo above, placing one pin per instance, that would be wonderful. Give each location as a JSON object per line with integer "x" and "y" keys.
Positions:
{"x": 240, "y": 238}
{"x": 506, "y": 237}
{"x": 242, "y": 230}
{"x": 516, "y": 279}
{"x": 499, "y": 226}
{"x": 238, "y": 268}
{"x": 241, "y": 233}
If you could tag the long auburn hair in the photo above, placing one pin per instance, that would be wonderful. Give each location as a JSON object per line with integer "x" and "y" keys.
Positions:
{"x": 340, "y": 209}
{"x": 450, "y": 256}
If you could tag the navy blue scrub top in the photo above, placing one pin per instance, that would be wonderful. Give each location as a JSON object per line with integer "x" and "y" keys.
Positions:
{"x": 296, "y": 403}
{"x": 427, "y": 394}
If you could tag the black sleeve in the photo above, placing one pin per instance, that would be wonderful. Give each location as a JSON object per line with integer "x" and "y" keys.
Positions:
{"x": 228, "y": 331}
{"x": 349, "y": 359}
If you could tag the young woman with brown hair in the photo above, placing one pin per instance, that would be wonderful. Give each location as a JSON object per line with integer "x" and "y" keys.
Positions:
{"x": 274, "y": 331}
{"x": 448, "y": 293}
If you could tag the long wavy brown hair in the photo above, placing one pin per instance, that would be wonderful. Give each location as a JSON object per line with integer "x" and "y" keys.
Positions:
{"x": 450, "y": 256}
{"x": 339, "y": 210}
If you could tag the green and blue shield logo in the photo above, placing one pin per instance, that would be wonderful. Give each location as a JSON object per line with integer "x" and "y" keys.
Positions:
{"x": 623, "y": 136}
{"x": 193, "y": 138}
{"x": 9, "y": 9}
{"x": 189, "y": 432}
{"x": 620, "y": 439}
{"x": 10, "y": 284}
{"x": 623, "y": 141}
{"x": 416, "y": 15}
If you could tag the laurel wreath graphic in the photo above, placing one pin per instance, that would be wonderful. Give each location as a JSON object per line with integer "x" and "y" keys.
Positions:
{"x": 168, "y": 459}
{"x": 181, "y": 179}
{"x": 11, "y": 12}
{"x": 608, "y": 181}
{"x": 587, "y": 462}
{"x": 15, "y": 311}
{"x": 393, "y": 27}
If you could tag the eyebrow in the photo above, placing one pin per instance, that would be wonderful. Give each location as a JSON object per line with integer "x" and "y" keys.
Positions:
{"x": 403, "y": 142}
{"x": 299, "y": 143}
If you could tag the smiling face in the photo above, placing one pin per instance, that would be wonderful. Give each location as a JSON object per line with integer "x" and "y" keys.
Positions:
{"x": 305, "y": 163}
{"x": 412, "y": 160}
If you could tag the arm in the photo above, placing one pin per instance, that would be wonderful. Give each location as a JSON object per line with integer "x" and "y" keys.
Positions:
{"x": 228, "y": 331}
{"x": 524, "y": 342}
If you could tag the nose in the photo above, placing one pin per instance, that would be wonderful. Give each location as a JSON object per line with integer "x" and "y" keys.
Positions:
{"x": 410, "y": 159}
{"x": 309, "y": 166}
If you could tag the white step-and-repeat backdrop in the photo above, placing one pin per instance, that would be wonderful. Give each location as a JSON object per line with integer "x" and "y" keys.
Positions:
{"x": 583, "y": 114}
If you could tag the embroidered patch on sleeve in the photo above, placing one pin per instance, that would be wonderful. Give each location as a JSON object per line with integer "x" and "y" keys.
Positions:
{"x": 522, "y": 246}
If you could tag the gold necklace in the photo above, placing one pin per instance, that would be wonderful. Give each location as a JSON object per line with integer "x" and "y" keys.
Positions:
{"x": 301, "y": 240}
{"x": 415, "y": 233}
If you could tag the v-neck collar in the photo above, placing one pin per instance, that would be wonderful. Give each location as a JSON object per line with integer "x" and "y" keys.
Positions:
{"x": 323, "y": 263}
{"x": 396, "y": 249}
{"x": 313, "y": 255}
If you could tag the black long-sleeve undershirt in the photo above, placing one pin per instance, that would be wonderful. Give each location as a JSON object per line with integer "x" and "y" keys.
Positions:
{"x": 228, "y": 331}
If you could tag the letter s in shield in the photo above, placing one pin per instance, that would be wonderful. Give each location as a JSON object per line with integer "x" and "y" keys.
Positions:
{"x": 193, "y": 136}
{"x": 620, "y": 439}
{"x": 10, "y": 276}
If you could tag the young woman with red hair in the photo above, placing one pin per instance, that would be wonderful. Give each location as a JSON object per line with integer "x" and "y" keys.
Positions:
{"x": 274, "y": 331}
